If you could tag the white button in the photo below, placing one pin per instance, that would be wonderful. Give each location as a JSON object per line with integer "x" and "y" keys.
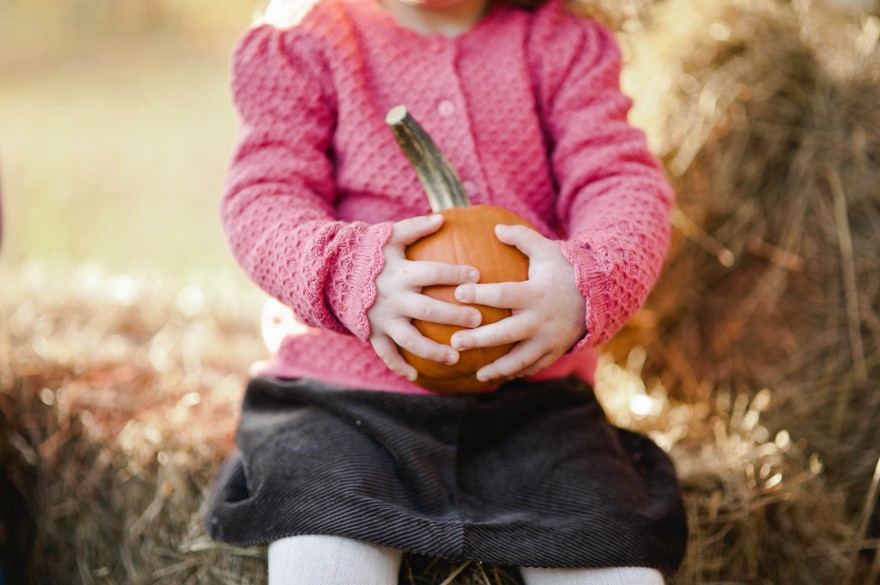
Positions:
{"x": 446, "y": 108}
{"x": 470, "y": 188}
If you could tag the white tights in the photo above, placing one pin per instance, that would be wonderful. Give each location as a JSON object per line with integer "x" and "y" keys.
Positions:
{"x": 609, "y": 576}
{"x": 331, "y": 560}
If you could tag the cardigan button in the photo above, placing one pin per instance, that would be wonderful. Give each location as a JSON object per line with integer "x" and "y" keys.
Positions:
{"x": 446, "y": 108}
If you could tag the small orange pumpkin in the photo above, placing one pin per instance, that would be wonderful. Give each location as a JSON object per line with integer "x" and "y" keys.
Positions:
{"x": 467, "y": 237}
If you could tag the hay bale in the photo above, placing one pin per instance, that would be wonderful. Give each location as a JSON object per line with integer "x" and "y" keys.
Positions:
{"x": 759, "y": 506}
{"x": 118, "y": 399}
{"x": 771, "y": 134}
{"x": 766, "y": 143}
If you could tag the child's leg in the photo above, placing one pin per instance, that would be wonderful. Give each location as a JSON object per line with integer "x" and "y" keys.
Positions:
{"x": 331, "y": 560}
{"x": 609, "y": 576}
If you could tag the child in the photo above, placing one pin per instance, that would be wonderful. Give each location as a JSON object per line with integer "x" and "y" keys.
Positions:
{"x": 342, "y": 461}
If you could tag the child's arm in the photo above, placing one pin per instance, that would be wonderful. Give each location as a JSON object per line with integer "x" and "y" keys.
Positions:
{"x": 278, "y": 209}
{"x": 613, "y": 203}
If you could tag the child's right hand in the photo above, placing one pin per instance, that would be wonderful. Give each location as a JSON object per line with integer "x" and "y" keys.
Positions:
{"x": 399, "y": 299}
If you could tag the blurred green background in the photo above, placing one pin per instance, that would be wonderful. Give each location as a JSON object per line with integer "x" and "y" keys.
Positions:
{"x": 115, "y": 128}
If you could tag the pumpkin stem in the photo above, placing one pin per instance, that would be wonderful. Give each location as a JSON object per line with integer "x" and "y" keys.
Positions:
{"x": 439, "y": 179}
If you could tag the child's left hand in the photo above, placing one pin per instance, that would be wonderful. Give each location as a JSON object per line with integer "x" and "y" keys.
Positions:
{"x": 548, "y": 309}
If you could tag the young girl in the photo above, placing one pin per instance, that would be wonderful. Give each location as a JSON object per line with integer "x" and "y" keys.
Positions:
{"x": 343, "y": 462}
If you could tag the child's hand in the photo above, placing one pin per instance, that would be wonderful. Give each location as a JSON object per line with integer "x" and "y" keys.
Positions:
{"x": 399, "y": 299}
{"x": 548, "y": 309}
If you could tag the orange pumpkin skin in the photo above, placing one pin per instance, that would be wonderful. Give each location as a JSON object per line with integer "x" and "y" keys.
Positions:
{"x": 466, "y": 237}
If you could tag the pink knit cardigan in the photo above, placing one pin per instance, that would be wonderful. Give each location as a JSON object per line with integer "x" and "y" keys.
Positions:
{"x": 526, "y": 106}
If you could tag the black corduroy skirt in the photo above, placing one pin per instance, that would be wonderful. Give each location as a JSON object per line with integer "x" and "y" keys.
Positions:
{"x": 529, "y": 475}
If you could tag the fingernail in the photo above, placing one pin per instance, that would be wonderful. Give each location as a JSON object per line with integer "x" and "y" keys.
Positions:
{"x": 452, "y": 358}
{"x": 412, "y": 375}
{"x": 473, "y": 276}
{"x": 482, "y": 377}
{"x": 475, "y": 320}
{"x": 459, "y": 294}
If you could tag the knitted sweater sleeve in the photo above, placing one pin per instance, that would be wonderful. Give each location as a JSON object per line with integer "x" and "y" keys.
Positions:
{"x": 614, "y": 201}
{"x": 278, "y": 208}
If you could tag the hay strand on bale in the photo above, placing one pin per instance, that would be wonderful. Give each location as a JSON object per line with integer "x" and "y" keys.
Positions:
{"x": 851, "y": 296}
{"x": 859, "y": 540}
{"x": 421, "y": 570}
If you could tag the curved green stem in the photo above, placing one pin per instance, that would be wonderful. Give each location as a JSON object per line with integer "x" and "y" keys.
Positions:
{"x": 439, "y": 179}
